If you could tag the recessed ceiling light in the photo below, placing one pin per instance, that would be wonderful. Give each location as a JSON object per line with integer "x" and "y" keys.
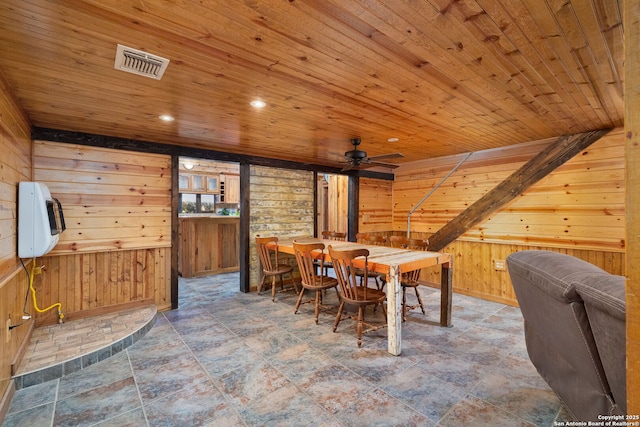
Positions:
{"x": 258, "y": 104}
{"x": 393, "y": 139}
{"x": 188, "y": 166}
{"x": 166, "y": 118}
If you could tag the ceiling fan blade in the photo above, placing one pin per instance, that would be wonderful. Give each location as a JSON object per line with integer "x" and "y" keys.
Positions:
{"x": 386, "y": 156}
{"x": 386, "y": 165}
{"x": 347, "y": 167}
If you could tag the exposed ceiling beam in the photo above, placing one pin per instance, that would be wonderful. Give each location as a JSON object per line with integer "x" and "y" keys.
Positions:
{"x": 82, "y": 138}
{"x": 549, "y": 159}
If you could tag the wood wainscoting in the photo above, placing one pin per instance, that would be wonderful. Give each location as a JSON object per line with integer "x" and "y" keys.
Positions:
{"x": 12, "y": 298}
{"x": 474, "y": 271}
{"x": 87, "y": 284}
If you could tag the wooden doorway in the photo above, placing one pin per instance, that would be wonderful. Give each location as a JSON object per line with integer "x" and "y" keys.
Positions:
{"x": 333, "y": 198}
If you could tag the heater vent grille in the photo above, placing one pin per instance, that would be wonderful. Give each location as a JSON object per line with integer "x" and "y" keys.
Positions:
{"x": 139, "y": 62}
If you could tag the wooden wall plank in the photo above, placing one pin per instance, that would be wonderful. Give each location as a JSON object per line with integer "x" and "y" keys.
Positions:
{"x": 15, "y": 166}
{"x": 589, "y": 188}
{"x": 86, "y": 282}
{"x": 376, "y": 205}
{"x": 632, "y": 150}
{"x": 474, "y": 274}
{"x": 113, "y": 200}
{"x": 555, "y": 155}
{"x": 338, "y": 193}
{"x": 281, "y": 205}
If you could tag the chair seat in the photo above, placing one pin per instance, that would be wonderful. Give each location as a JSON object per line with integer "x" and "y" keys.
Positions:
{"x": 409, "y": 283}
{"x": 279, "y": 269}
{"x": 372, "y": 296}
{"x": 327, "y": 283}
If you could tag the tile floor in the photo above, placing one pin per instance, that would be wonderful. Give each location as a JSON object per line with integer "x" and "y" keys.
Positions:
{"x": 231, "y": 359}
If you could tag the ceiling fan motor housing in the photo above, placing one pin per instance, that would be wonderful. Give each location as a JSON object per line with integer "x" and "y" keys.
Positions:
{"x": 356, "y": 154}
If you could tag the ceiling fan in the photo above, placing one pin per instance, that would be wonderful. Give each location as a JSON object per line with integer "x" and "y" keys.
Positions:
{"x": 357, "y": 159}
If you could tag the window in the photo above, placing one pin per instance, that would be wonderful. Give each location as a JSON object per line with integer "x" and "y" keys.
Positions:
{"x": 196, "y": 203}
{"x": 187, "y": 203}
{"x": 207, "y": 203}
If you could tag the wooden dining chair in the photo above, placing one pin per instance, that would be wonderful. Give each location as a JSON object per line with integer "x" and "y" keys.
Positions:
{"x": 410, "y": 279}
{"x": 352, "y": 293}
{"x": 307, "y": 254}
{"x": 271, "y": 267}
{"x": 332, "y": 235}
{"x": 377, "y": 240}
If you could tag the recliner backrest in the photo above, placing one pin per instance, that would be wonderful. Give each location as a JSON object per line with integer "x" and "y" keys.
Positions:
{"x": 558, "y": 334}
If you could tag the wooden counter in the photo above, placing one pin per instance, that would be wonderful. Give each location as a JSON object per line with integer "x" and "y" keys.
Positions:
{"x": 208, "y": 245}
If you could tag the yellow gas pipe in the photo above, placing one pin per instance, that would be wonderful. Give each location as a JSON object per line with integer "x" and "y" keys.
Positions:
{"x": 38, "y": 270}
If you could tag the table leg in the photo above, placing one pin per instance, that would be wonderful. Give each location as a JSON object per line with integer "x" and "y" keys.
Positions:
{"x": 446, "y": 290}
{"x": 394, "y": 311}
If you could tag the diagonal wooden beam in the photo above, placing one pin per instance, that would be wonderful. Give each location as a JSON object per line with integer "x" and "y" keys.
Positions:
{"x": 549, "y": 159}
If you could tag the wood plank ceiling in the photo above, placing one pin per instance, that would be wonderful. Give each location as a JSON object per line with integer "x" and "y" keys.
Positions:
{"x": 443, "y": 76}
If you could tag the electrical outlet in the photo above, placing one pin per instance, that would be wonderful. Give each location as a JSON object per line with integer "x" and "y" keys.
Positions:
{"x": 499, "y": 264}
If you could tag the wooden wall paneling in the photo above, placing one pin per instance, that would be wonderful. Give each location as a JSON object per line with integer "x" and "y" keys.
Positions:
{"x": 12, "y": 294}
{"x": 137, "y": 288}
{"x": 572, "y": 206}
{"x": 15, "y": 145}
{"x": 114, "y": 276}
{"x": 578, "y": 209}
{"x": 102, "y": 280}
{"x": 15, "y": 166}
{"x": 88, "y": 279}
{"x": 161, "y": 273}
{"x": 322, "y": 201}
{"x": 147, "y": 271}
{"x": 111, "y": 199}
{"x": 89, "y": 282}
{"x": 556, "y": 154}
{"x": 60, "y": 274}
{"x": 229, "y": 248}
{"x": 338, "y": 197}
{"x": 209, "y": 245}
{"x": 118, "y": 214}
{"x": 281, "y": 205}
{"x": 376, "y": 205}
{"x": 632, "y": 150}
{"x": 474, "y": 272}
{"x": 128, "y": 270}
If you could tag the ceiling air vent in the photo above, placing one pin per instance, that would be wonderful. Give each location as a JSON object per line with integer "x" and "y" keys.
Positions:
{"x": 139, "y": 62}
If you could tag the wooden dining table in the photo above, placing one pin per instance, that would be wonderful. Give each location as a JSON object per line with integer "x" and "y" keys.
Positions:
{"x": 392, "y": 262}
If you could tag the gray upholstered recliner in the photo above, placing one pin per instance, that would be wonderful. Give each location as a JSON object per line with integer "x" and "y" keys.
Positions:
{"x": 574, "y": 323}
